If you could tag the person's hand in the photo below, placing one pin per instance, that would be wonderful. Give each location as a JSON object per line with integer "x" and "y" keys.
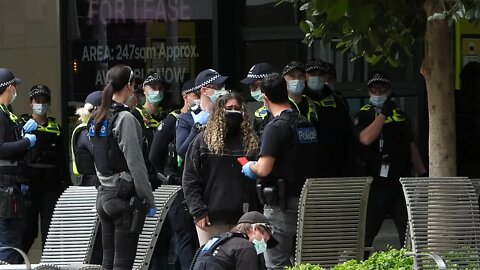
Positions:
{"x": 30, "y": 126}
{"x": 201, "y": 117}
{"x": 388, "y": 107}
{"x": 203, "y": 223}
{"x": 247, "y": 171}
{"x": 31, "y": 138}
{"x": 151, "y": 212}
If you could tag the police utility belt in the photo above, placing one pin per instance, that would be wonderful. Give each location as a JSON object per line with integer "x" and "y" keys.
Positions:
{"x": 9, "y": 167}
{"x": 273, "y": 194}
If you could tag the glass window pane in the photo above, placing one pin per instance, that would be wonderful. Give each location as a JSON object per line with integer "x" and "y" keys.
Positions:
{"x": 263, "y": 13}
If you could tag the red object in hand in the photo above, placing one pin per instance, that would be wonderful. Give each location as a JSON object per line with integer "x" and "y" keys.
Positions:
{"x": 242, "y": 160}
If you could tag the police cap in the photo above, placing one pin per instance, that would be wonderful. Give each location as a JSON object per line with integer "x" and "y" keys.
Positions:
{"x": 39, "y": 90}
{"x": 7, "y": 78}
{"x": 257, "y": 72}
{"x": 255, "y": 217}
{"x": 154, "y": 79}
{"x": 378, "y": 77}
{"x": 209, "y": 76}
{"x": 291, "y": 66}
{"x": 188, "y": 87}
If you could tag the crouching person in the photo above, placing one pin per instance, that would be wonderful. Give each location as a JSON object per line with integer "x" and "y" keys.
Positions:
{"x": 240, "y": 248}
{"x": 125, "y": 193}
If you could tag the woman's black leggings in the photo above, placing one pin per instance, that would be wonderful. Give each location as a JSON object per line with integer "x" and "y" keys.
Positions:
{"x": 119, "y": 244}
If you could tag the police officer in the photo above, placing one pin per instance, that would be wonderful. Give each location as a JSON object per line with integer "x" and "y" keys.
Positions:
{"x": 47, "y": 171}
{"x": 241, "y": 248}
{"x": 80, "y": 146}
{"x": 254, "y": 79}
{"x": 125, "y": 193}
{"x": 288, "y": 156}
{"x": 150, "y": 115}
{"x": 164, "y": 158}
{"x": 210, "y": 86}
{"x": 334, "y": 122}
{"x": 386, "y": 152}
{"x": 14, "y": 143}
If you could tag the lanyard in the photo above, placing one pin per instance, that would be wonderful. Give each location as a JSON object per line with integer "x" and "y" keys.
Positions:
{"x": 380, "y": 143}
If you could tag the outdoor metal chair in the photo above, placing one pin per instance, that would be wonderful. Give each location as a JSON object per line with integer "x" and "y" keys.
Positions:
{"x": 331, "y": 220}
{"x": 443, "y": 223}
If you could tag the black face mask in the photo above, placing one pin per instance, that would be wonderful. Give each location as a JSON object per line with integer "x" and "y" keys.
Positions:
{"x": 233, "y": 120}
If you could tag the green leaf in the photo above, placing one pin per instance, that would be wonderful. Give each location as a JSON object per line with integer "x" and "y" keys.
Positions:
{"x": 304, "y": 6}
{"x": 337, "y": 10}
{"x": 437, "y": 16}
{"x": 304, "y": 27}
{"x": 360, "y": 21}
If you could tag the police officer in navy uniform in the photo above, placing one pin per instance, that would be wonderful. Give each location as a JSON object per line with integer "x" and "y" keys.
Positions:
{"x": 240, "y": 248}
{"x": 254, "y": 79}
{"x": 15, "y": 141}
{"x": 334, "y": 122}
{"x": 386, "y": 152}
{"x": 47, "y": 172}
{"x": 149, "y": 116}
{"x": 288, "y": 156}
{"x": 125, "y": 193}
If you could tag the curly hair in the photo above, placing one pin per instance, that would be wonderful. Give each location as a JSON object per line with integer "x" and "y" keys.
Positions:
{"x": 216, "y": 129}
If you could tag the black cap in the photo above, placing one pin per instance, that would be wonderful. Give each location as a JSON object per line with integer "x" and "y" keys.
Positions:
{"x": 7, "y": 78}
{"x": 39, "y": 90}
{"x": 378, "y": 77}
{"x": 255, "y": 217}
{"x": 209, "y": 76}
{"x": 188, "y": 87}
{"x": 94, "y": 98}
{"x": 155, "y": 78}
{"x": 291, "y": 66}
{"x": 257, "y": 72}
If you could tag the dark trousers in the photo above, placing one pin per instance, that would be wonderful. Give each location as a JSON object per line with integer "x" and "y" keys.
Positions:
{"x": 119, "y": 244}
{"x": 186, "y": 238}
{"x": 385, "y": 198}
{"x": 10, "y": 219}
{"x": 39, "y": 203}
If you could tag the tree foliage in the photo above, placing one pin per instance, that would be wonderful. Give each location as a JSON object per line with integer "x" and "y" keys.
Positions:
{"x": 376, "y": 29}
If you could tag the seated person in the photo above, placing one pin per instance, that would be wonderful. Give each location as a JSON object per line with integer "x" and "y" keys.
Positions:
{"x": 241, "y": 248}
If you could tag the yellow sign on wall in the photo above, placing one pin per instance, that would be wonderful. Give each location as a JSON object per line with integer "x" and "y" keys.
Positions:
{"x": 467, "y": 46}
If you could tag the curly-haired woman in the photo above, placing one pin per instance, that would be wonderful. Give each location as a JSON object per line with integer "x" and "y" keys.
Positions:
{"x": 216, "y": 192}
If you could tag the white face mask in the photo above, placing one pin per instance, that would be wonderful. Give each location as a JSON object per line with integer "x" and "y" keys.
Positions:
{"x": 195, "y": 104}
{"x": 257, "y": 95}
{"x": 40, "y": 109}
{"x": 14, "y": 96}
{"x": 378, "y": 101}
{"x": 129, "y": 99}
{"x": 315, "y": 83}
{"x": 295, "y": 86}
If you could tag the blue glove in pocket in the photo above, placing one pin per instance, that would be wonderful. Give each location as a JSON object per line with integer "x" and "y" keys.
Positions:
{"x": 201, "y": 117}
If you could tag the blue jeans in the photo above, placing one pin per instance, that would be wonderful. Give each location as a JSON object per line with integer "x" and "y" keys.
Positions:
{"x": 11, "y": 236}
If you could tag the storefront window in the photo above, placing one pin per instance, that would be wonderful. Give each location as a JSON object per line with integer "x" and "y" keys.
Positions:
{"x": 264, "y": 13}
{"x": 172, "y": 37}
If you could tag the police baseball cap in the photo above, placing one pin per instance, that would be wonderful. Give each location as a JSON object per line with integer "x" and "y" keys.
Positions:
{"x": 255, "y": 217}
{"x": 291, "y": 66}
{"x": 209, "y": 76}
{"x": 155, "y": 78}
{"x": 188, "y": 87}
{"x": 257, "y": 72}
{"x": 7, "y": 78}
{"x": 378, "y": 78}
{"x": 39, "y": 90}
{"x": 94, "y": 98}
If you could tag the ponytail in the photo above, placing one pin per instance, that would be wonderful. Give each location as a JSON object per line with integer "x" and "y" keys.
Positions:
{"x": 101, "y": 112}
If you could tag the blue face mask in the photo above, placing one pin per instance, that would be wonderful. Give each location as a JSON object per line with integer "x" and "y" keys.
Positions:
{"x": 315, "y": 83}
{"x": 378, "y": 101}
{"x": 257, "y": 95}
{"x": 295, "y": 86}
{"x": 40, "y": 109}
{"x": 260, "y": 245}
{"x": 216, "y": 95}
{"x": 154, "y": 97}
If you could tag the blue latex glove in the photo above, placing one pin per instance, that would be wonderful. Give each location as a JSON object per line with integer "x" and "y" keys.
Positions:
{"x": 30, "y": 126}
{"x": 31, "y": 138}
{"x": 247, "y": 171}
{"x": 151, "y": 212}
{"x": 201, "y": 117}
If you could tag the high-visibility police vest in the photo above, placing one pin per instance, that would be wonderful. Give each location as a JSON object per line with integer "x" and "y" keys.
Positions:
{"x": 396, "y": 117}
{"x": 312, "y": 109}
{"x": 82, "y": 160}
{"x": 152, "y": 123}
{"x": 47, "y": 147}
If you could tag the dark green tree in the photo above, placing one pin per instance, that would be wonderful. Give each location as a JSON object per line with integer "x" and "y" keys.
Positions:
{"x": 385, "y": 30}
